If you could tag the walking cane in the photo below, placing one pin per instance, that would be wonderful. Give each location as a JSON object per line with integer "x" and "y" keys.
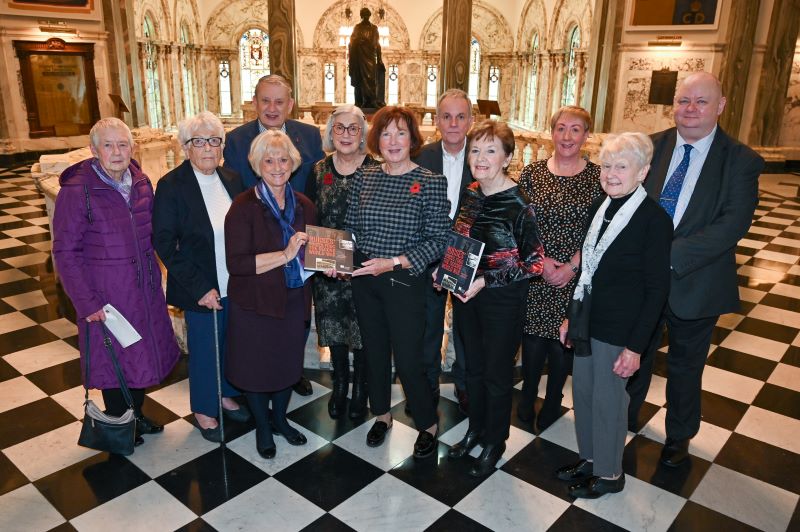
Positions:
{"x": 219, "y": 382}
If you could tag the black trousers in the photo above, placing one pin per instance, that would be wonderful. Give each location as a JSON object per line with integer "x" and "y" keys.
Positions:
{"x": 435, "y": 306}
{"x": 535, "y": 351}
{"x": 115, "y": 402}
{"x": 689, "y": 341}
{"x": 491, "y": 326}
{"x": 391, "y": 315}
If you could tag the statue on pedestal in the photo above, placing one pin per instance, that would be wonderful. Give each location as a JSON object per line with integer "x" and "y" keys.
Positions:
{"x": 365, "y": 63}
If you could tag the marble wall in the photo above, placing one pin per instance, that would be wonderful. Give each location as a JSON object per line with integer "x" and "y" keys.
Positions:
{"x": 790, "y": 128}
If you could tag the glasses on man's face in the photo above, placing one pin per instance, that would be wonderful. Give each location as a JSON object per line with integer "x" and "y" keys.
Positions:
{"x": 199, "y": 142}
{"x": 353, "y": 129}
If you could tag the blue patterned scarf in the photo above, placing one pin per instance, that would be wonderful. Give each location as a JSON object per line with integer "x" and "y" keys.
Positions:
{"x": 123, "y": 186}
{"x": 293, "y": 269}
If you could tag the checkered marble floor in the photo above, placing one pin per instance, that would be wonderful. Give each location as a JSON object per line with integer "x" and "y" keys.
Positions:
{"x": 743, "y": 472}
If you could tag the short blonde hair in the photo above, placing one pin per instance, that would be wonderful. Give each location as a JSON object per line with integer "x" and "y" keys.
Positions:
{"x": 272, "y": 141}
{"x": 574, "y": 110}
{"x": 635, "y": 146}
{"x": 108, "y": 123}
{"x": 327, "y": 139}
{"x": 189, "y": 126}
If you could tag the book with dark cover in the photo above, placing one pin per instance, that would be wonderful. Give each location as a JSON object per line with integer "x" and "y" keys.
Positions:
{"x": 459, "y": 264}
{"x": 329, "y": 249}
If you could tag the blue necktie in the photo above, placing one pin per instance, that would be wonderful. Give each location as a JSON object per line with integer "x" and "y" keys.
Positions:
{"x": 671, "y": 192}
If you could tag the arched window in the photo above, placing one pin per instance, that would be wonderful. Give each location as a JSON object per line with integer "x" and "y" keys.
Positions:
{"x": 393, "y": 84}
{"x": 225, "y": 88}
{"x": 152, "y": 84}
{"x": 431, "y": 86}
{"x": 494, "y": 83}
{"x": 474, "y": 69}
{"x": 187, "y": 71}
{"x": 571, "y": 69}
{"x": 254, "y": 59}
{"x": 329, "y": 82}
{"x": 533, "y": 82}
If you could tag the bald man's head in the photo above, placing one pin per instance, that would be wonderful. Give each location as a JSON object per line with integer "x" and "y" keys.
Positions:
{"x": 697, "y": 105}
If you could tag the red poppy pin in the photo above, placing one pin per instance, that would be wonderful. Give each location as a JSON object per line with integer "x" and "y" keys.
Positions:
{"x": 327, "y": 179}
{"x": 415, "y": 188}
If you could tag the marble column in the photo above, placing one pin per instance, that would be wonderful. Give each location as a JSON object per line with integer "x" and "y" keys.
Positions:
{"x": 557, "y": 73}
{"x": 600, "y": 87}
{"x": 282, "y": 45}
{"x": 542, "y": 115}
{"x": 125, "y": 73}
{"x": 736, "y": 62}
{"x": 580, "y": 77}
{"x": 456, "y": 37}
{"x": 774, "y": 79}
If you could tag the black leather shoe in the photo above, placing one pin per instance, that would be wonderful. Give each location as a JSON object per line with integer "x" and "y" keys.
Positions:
{"x": 240, "y": 415}
{"x": 138, "y": 441}
{"x": 267, "y": 453}
{"x": 674, "y": 452}
{"x": 265, "y": 445}
{"x": 577, "y": 471}
{"x": 296, "y": 438}
{"x": 425, "y": 445}
{"x": 303, "y": 387}
{"x": 595, "y": 487}
{"x": 147, "y": 426}
{"x": 377, "y": 434}
{"x": 213, "y": 434}
{"x": 488, "y": 459}
{"x": 467, "y": 443}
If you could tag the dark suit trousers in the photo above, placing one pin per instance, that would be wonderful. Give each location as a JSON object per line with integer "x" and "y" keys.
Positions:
{"x": 435, "y": 305}
{"x": 391, "y": 315}
{"x": 689, "y": 341}
{"x": 491, "y": 327}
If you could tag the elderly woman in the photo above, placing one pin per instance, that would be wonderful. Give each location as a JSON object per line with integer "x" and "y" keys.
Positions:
{"x": 270, "y": 302}
{"x": 489, "y": 315}
{"x": 561, "y": 190}
{"x": 398, "y": 214}
{"x": 102, "y": 249}
{"x": 335, "y": 315}
{"x": 622, "y": 289}
{"x": 189, "y": 235}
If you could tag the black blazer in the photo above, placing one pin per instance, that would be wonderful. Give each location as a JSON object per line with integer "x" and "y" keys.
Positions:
{"x": 430, "y": 157}
{"x": 703, "y": 260}
{"x": 183, "y": 237}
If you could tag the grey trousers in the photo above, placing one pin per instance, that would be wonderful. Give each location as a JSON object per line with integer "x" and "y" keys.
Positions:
{"x": 601, "y": 409}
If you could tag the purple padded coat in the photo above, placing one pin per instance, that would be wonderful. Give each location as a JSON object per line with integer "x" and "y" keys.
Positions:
{"x": 104, "y": 254}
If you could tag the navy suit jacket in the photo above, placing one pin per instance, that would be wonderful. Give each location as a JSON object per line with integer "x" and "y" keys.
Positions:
{"x": 183, "y": 237}
{"x": 430, "y": 157}
{"x": 704, "y": 281}
{"x": 305, "y": 137}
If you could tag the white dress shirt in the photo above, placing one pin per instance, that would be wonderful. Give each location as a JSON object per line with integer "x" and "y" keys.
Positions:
{"x": 696, "y": 161}
{"x": 453, "y": 170}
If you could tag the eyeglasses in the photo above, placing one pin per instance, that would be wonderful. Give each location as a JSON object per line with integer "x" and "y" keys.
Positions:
{"x": 353, "y": 129}
{"x": 199, "y": 142}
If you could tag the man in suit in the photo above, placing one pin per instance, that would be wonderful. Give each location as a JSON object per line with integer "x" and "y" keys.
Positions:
{"x": 447, "y": 157}
{"x": 708, "y": 183}
{"x": 273, "y": 102}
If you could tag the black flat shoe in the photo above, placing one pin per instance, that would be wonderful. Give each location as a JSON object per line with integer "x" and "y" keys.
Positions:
{"x": 147, "y": 426}
{"x": 675, "y": 453}
{"x": 488, "y": 459}
{"x": 425, "y": 445}
{"x": 240, "y": 415}
{"x": 265, "y": 445}
{"x": 467, "y": 443}
{"x": 213, "y": 434}
{"x": 595, "y": 487}
{"x": 303, "y": 387}
{"x": 138, "y": 441}
{"x": 377, "y": 434}
{"x": 298, "y": 438}
{"x": 267, "y": 453}
{"x": 577, "y": 471}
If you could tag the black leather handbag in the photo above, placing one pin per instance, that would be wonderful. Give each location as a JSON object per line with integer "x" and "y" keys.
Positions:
{"x": 100, "y": 431}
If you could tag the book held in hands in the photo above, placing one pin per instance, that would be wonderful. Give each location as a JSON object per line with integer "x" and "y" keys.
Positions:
{"x": 460, "y": 263}
{"x": 329, "y": 249}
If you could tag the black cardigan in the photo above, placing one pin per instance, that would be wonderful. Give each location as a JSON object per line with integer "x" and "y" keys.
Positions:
{"x": 183, "y": 237}
{"x": 631, "y": 283}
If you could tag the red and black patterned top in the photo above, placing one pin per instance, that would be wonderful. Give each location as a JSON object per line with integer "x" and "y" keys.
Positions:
{"x": 506, "y": 223}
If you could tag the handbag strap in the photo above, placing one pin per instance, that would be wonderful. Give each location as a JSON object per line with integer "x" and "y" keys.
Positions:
{"x": 123, "y": 385}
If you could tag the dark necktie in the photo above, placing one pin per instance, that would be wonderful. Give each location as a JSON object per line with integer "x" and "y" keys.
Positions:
{"x": 671, "y": 192}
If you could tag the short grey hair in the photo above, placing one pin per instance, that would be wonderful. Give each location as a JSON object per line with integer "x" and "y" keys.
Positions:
{"x": 327, "y": 139}
{"x": 273, "y": 79}
{"x": 272, "y": 141}
{"x": 188, "y": 127}
{"x": 108, "y": 123}
{"x": 634, "y": 145}
{"x": 454, "y": 93}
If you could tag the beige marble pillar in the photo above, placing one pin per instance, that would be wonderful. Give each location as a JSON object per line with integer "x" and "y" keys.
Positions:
{"x": 602, "y": 69}
{"x": 736, "y": 62}
{"x": 282, "y": 45}
{"x": 580, "y": 77}
{"x": 542, "y": 115}
{"x": 456, "y": 37}
{"x": 125, "y": 73}
{"x": 774, "y": 79}
{"x": 557, "y": 62}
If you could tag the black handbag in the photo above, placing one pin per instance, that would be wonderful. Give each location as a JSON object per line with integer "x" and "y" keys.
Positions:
{"x": 578, "y": 314}
{"x": 100, "y": 431}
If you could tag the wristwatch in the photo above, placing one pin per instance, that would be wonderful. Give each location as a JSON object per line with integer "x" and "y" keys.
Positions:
{"x": 397, "y": 265}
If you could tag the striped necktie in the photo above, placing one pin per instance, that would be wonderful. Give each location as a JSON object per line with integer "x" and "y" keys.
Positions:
{"x": 671, "y": 192}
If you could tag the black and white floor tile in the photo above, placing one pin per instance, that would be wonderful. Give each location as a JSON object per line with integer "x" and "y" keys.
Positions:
{"x": 744, "y": 471}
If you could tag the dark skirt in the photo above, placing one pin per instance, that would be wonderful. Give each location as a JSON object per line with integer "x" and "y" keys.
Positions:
{"x": 265, "y": 354}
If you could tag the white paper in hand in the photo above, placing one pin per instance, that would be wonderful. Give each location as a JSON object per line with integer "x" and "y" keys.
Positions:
{"x": 121, "y": 328}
